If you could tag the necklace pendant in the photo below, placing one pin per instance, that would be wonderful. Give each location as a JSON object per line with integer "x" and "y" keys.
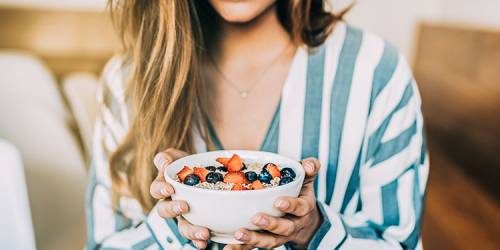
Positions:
{"x": 243, "y": 94}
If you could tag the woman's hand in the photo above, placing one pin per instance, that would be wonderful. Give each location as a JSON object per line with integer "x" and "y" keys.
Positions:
{"x": 300, "y": 223}
{"x": 167, "y": 208}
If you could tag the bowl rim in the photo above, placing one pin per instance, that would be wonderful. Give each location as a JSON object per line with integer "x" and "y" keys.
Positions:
{"x": 300, "y": 174}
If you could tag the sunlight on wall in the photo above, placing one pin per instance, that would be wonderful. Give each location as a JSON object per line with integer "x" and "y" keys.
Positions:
{"x": 394, "y": 20}
{"x": 397, "y": 20}
{"x": 478, "y": 12}
{"x": 57, "y": 4}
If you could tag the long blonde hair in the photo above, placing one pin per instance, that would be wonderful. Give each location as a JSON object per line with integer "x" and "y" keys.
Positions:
{"x": 165, "y": 44}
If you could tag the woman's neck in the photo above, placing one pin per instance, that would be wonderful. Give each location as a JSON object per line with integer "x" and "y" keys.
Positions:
{"x": 255, "y": 43}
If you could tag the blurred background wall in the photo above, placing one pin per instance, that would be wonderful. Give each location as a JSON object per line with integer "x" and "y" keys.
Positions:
{"x": 91, "y": 5}
{"x": 398, "y": 20}
{"x": 52, "y": 52}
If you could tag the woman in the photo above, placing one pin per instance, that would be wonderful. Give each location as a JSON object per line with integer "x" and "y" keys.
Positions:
{"x": 283, "y": 76}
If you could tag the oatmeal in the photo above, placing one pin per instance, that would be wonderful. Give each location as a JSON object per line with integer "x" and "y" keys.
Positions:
{"x": 235, "y": 174}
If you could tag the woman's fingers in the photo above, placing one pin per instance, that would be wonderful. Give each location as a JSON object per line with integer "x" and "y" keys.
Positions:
{"x": 238, "y": 247}
{"x": 260, "y": 239}
{"x": 191, "y": 231}
{"x": 172, "y": 209}
{"x": 164, "y": 158}
{"x": 160, "y": 189}
{"x": 300, "y": 206}
{"x": 311, "y": 167}
{"x": 279, "y": 226}
{"x": 200, "y": 244}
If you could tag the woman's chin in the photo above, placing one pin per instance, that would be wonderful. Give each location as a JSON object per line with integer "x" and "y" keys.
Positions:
{"x": 240, "y": 11}
{"x": 238, "y": 19}
{"x": 238, "y": 15}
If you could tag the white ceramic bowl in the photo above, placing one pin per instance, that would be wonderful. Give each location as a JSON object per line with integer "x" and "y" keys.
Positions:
{"x": 222, "y": 211}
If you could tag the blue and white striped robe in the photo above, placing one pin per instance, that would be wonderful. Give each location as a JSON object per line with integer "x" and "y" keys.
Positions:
{"x": 362, "y": 121}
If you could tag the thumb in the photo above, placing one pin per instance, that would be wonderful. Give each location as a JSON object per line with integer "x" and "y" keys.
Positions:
{"x": 164, "y": 158}
{"x": 311, "y": 167}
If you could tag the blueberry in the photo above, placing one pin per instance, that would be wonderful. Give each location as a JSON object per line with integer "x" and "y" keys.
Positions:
{"x": 214, "y": 177}
{"x": 222, "y": 169}
{"x": 285, "y": 180}
{"x": 211, "y": 168}
{"x": 265, "y": 177}
{"x": 287, "y": 172}
{"x": 191, "y": 180}
{"x": 251, "y": 176}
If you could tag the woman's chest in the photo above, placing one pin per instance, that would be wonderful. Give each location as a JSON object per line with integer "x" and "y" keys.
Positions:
{"x": 245, "y": 128}
{"x": 243, "y": 122}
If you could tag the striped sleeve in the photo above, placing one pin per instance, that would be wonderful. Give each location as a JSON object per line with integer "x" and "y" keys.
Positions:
{"x": 108, "y": 227}
{"x": 393, "y": 170}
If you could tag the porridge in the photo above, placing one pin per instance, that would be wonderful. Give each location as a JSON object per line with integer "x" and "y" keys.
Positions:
{"x": 235, "y": 174}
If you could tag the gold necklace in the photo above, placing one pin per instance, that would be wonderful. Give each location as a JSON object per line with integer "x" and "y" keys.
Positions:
{"x": 243, "y": 93}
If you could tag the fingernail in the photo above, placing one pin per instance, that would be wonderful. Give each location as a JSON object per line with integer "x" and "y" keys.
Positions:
{"x": 240, "y": 235}
{"x": 161, "y": 161}
{"x": 158, "y": 161}
{"x": 282, "y": 204}
{"x": 196, "y": 244}
{"x": 199, "y": 235}
{"x": 164, "y": 191}
{"x": 170, "y": 190}
{"x": 177, "y": 209}
{"x": 164, "y": 164}
{"x": 261, "y": 221}
{"x": 309, "y": 166}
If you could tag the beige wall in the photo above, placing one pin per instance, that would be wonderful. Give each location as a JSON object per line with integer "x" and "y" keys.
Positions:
{"x": 396, "y": 20}
{"x": 57, "y": 4}
{"x": 476, "y": 12}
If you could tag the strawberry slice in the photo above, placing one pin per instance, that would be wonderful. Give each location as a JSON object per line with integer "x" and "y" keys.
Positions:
{"x": 184, "y": 172}
{"x": 256, "y": 185}
{"x": 235, "y": 164}
{"x": 235, "y": 177}
{"x": 238, "y": 187}
{"x": 201, "y": 172}
{"x": 223, "y": 160}
{"x": 273, "y": 170}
